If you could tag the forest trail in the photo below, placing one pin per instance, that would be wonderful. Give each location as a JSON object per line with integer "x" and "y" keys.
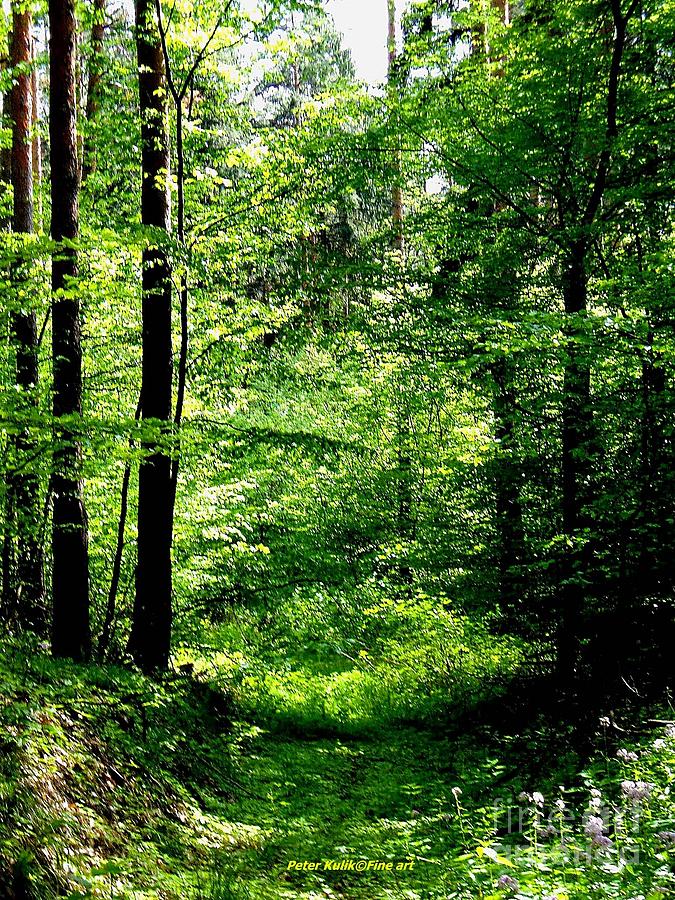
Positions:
{"x": 385, "y": 797}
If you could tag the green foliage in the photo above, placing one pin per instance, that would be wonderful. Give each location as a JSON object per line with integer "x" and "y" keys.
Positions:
{"x": 373, "y": 545}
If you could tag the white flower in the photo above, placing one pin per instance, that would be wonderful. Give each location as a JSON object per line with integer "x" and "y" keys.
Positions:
{"x": 538, "y": 798}
{"x": 560, "y": 805}
{"x": 626, "y": 755}
{"x": 594, "y": 826}
{"x": 637, "y": 790}
{"x": 601, "y": 840}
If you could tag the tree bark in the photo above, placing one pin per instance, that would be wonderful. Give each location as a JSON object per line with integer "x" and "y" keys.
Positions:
{"x": 23, "y": 592}
{"x": 70, "y": 581}
{"x": 150, "y": 639}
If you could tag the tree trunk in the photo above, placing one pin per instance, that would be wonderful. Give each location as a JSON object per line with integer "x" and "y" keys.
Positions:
{"x": 150, "y": 639}
{"x": 25, "y": 588}
{"x": 70, "y": 581}
{"x": 94, "y": 88}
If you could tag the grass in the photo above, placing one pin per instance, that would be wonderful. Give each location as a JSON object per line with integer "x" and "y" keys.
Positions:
{"x": 220, "y": 785}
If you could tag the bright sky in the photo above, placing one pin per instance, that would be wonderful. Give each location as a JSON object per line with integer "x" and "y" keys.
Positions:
{"x": 364, "y": 25}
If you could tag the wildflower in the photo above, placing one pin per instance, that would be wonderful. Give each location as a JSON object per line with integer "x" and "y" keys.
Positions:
{"x": 604, "y": 722}
{"x": 594, "y": 826}
{"x": 456, "y": 792}
{"x": 595, "y": 803}
{"x": 524, "y": 797}
{"x": 659, "y": 744}
{"x": 506, "y": 883}
{"x": 560, "y": 805}
{"x": 626, "y": 755}
{"x": 670, "y": 731}
{"x": 538, "y": 799}
{"x": 595, "y": 792}
{"x": 637, "y": 790}
{"x": 667, "y": 838}
{"x": 601, "y": 840}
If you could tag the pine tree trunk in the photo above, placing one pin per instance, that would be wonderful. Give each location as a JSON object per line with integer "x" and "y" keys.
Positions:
{"x": 150, "y": 639}
{"x": 70, "y": 580}
{"x": 26, "y": 584}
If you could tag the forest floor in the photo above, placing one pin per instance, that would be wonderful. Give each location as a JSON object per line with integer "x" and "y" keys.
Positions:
{"x": 383, "y": 798}
{"x": 115, "y": 786}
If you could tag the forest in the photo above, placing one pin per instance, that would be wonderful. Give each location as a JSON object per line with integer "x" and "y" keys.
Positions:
{"x": 337, "y": 505}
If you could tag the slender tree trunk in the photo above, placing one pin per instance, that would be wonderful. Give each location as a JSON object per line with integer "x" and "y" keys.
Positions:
{"x": 576, "y": 403}
{"x": 94, "y": 88}
{"x": 111, "y": 606}
{"x": 150, "y": 639}
{"x": 70, "y": 580}
{"x": 26, "y": 583}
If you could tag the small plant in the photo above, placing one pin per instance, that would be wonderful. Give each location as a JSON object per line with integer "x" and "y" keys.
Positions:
{"x": 619, "y": 845}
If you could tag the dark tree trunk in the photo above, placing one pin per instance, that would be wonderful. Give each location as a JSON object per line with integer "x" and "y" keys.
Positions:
{"x": 576, "y": 406}
{"x": 150, "y": 639}
{"x": 94, "y": 88}
{"x": 70, "y": 580}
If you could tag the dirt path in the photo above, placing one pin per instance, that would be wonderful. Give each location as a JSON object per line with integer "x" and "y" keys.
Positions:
{"x": 386, "y": 798}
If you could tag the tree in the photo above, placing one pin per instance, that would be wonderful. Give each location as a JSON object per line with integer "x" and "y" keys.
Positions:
{"x": 150, "y": 640}
{"x": 23, "y": 588}
{"x": 70, "y": 577}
